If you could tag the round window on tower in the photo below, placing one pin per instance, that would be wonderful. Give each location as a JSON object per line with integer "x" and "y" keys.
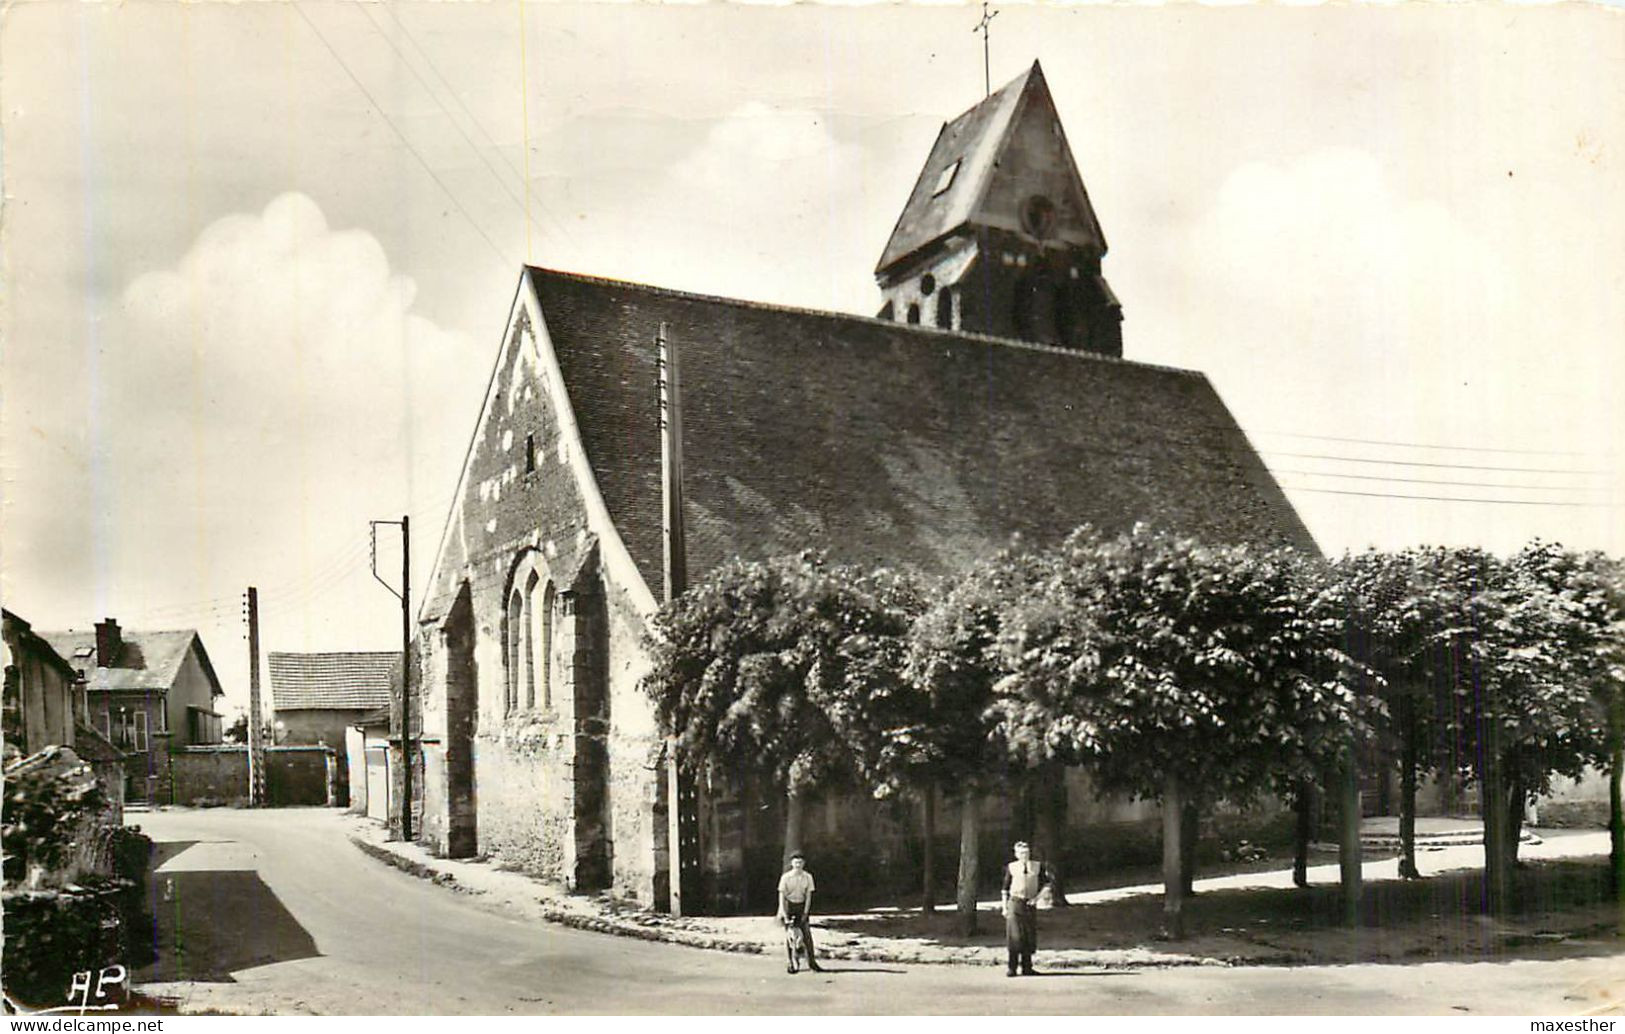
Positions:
{"x": 1038, "y": 216}
{"x": 928, "y": 283}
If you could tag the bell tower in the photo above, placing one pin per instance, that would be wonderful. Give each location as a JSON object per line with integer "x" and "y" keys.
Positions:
{"x": 998, "y": 236}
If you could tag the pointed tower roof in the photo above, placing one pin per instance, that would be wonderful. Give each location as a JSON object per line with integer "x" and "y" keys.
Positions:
{"x": 960, "y": 178}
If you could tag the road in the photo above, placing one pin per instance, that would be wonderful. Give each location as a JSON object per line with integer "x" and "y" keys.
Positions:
{"x": 277, "y": 912}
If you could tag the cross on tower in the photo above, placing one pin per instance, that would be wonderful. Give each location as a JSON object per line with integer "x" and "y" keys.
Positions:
{"x": 981, "y": 26}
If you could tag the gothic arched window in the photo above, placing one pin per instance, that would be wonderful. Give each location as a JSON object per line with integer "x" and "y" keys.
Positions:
{"x": 541, "y": 658}
{"x": 515, "y": 652}
{"x": 945, "y": 309}
{"x": 532, "y": 639}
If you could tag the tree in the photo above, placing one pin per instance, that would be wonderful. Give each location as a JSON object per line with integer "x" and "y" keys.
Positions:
{"x": 1518, "y": 652}
{"x": 1177, "y": 671}
{"x": 784, "y": 669}
{"x": 1610, "y": 696}
{"x": 952, "y": 664}
{"x": 1394, "y": 615}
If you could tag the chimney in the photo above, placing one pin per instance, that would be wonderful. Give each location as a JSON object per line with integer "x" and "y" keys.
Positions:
{"x": 108, "y": 642}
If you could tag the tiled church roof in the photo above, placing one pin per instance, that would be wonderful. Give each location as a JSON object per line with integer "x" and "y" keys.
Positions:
{"x": 305, "y": 681}
{"x": 885, "y": 443}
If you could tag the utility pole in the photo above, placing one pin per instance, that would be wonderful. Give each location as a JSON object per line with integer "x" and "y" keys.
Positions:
{"x": 405, "y": 596}
{"x": 682, "y": 832}
{"x": 256, "y": 741}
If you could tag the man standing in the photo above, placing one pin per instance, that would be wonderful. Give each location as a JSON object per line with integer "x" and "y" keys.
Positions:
{"x": 1023, "y": 879}
{"x": 795, "y": 905}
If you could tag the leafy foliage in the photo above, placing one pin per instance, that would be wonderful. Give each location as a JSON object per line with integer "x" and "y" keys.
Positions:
{"x": 948, "y": 735}
{"x": 786, "y": 668}
{"x": 1146, "y": 655}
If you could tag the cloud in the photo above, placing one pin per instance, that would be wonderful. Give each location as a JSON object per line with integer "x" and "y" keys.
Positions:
{"x": 249, "y": 410}
{"x": 772, "y": 184}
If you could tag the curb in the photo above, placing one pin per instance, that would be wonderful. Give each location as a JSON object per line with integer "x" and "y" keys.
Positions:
{"x": 654, "y": 928}
{"x": 563, "y": 916}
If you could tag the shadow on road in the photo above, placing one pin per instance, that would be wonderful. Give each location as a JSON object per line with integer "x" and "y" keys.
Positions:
{"x": 210, "y": 924}
{"x": 164, "y": 850}
{"x": 858, "y": 969}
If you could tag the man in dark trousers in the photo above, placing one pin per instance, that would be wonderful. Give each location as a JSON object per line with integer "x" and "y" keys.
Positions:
{"x": 1023, "y": 879}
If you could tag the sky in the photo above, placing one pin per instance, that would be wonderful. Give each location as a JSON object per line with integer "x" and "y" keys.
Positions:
{"x": 255, "y": 259}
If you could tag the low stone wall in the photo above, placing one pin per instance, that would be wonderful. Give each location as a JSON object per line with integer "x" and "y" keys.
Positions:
{"x": 209, "y": 775}
{"x": 294, "y": 776}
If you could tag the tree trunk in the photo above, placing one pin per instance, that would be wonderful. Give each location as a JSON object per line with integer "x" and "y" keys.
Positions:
{"x": 1407, "y": 791}
{"x": 928, "y": 904}
{"x": 1616, "y": 812}
{"x": 1492, "y": 810}
{"x": 1051, "y": 826}
{"x": 1303, "y": 804}
{"x": 1173, "y": 859}
{"x": 1189, "y": 830}
{"x": 1348, "y": 840}
{"x": 795, "y": 821}
{"x": 969, "y": 862}
{"x": 1517, "y": 801}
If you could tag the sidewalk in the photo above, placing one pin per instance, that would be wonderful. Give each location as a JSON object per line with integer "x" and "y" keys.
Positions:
{"x": 903, "y": 936}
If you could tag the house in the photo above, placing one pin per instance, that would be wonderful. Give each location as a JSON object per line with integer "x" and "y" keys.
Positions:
{"x": 631, "y": 434}
{"x": 46, "y": 706}
{"x": 147, "y": 693}
{"x": 316, "y": 697}
{"x": 44, "y": 695}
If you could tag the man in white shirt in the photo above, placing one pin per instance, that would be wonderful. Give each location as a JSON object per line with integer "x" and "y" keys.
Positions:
{"x": 1023, "y": 879}
{"x": 795, "y": 905}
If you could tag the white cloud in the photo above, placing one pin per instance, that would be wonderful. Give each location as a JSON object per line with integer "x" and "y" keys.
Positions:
{"x": 254, "y": 406}
{"x": 768, "y": 191}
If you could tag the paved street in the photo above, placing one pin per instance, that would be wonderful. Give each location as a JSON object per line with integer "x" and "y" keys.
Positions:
{"x": 276, "y": 911}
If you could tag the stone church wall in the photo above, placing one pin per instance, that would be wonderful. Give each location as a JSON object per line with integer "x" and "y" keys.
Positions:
{"x": 565, "y": 778}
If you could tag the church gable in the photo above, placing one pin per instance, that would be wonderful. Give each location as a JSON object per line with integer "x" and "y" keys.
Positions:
{"x": 522, "y": 482}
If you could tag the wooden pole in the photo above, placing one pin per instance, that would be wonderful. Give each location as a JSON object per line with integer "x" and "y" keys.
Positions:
{"x": 406, "y": 679}
{"x": 256, "y": 735}
{"x": 675, "y": 572}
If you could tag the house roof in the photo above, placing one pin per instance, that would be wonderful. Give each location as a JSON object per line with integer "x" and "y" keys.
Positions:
{"x": 887, "y": 443}
{"x": 27, "y": 638}
{"x": 146, "y": 661}
{"x": 971, "y": 146}
{"x": 325, "y": 681}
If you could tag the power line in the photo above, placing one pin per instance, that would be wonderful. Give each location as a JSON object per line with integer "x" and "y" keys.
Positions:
{"x": 1420, "y": 445}
{"x": 1419, "y": 463}
{"x": 472, "y": 146}
{"x": 473, "y": 120}
{"x": 1449, "y": 499}
{"x": 504, "y": 259}
{"x": 1434, "y": 481}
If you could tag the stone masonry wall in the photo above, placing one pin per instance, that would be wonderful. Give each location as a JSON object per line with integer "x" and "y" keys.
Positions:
{"x": 561, "y": 791}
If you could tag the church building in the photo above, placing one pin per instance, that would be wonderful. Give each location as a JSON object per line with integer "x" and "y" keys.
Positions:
{"x": 633, "y": 436}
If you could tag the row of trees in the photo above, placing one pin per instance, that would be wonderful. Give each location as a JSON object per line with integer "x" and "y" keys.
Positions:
{"x": 1168, "y": 669}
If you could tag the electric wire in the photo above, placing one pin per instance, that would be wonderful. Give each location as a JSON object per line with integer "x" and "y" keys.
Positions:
{"x": 501, "y": 256}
